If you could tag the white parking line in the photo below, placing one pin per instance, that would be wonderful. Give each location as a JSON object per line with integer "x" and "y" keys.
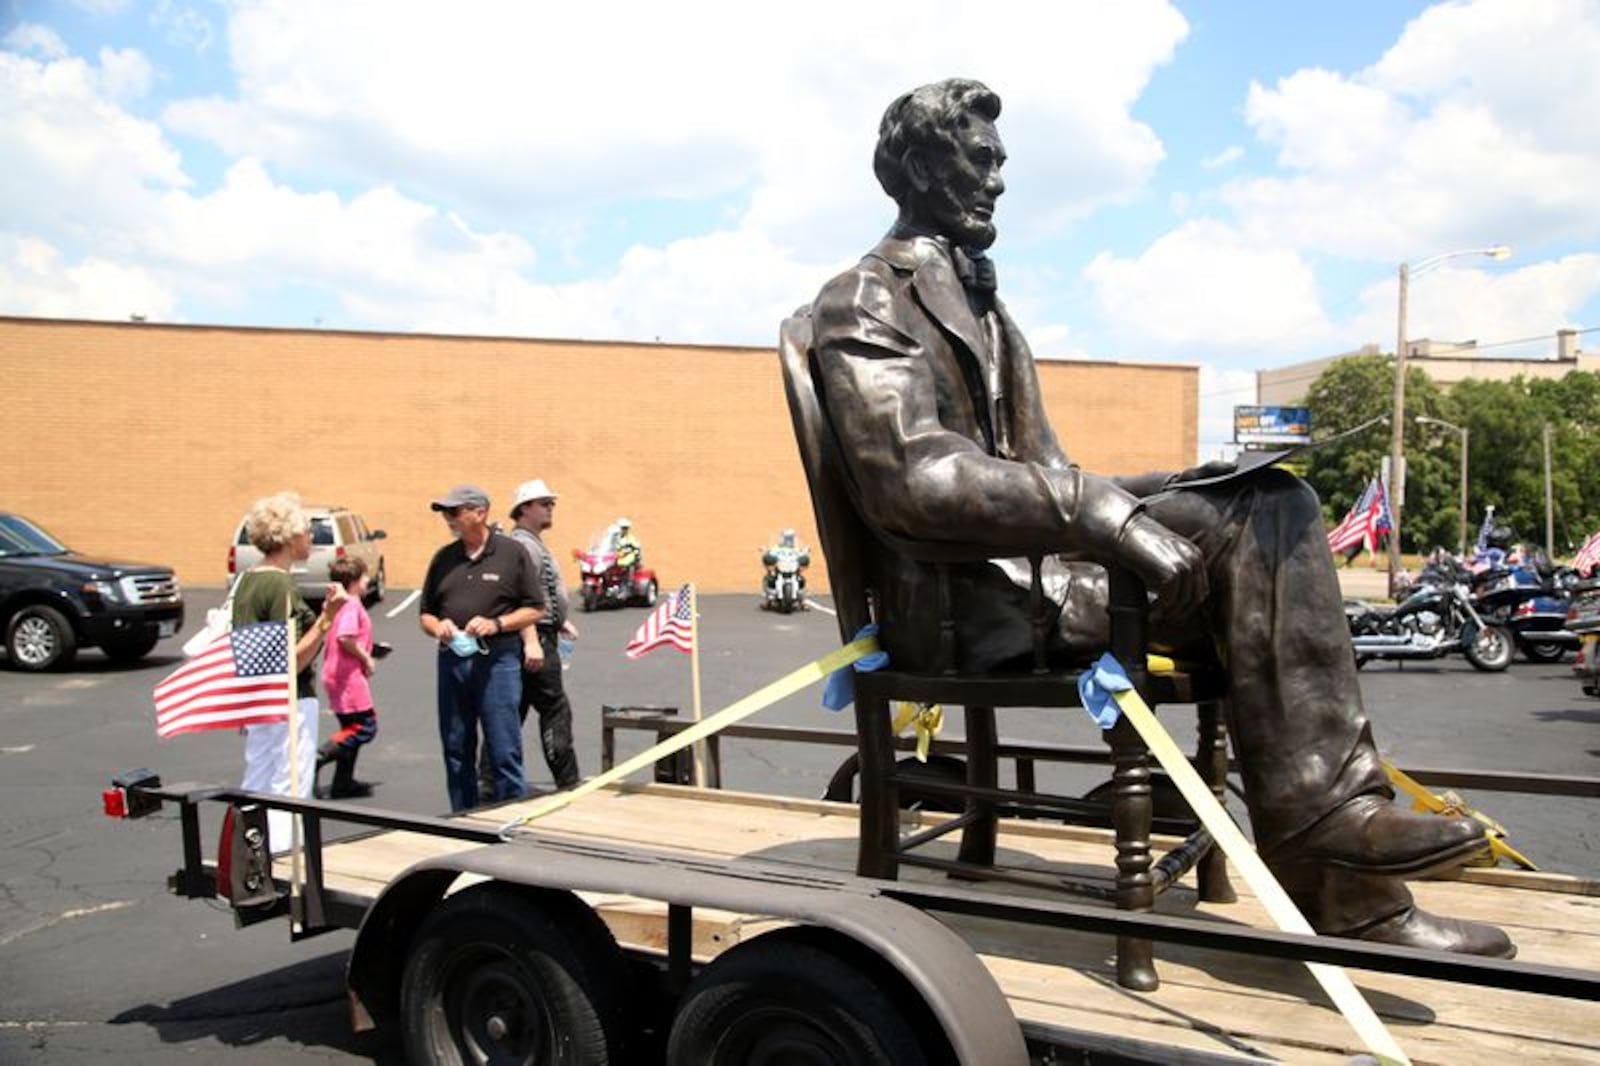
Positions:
{"x": 407, "y": 602}
{"x": 814, "y": 605}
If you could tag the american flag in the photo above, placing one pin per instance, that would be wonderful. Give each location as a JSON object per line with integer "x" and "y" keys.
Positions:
{"x": 1353, "y": 533}
{"x": 1485, "y": 529}
{"x": 671, "y": 623}
{"x": 1588, "y": 555}
{"x": 241, "y": 678}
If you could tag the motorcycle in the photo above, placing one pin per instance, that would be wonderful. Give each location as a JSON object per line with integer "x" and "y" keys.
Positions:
{"x": 609, "y": 583}
{"x": 1436, "y": 618}
{"x": 784, "y": 588}
{"x": 1583, "y": 619}
{"x": 1532, "y": 605}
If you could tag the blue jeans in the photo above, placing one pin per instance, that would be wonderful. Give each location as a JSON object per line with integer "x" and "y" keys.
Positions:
{"x": 481, "y": 691}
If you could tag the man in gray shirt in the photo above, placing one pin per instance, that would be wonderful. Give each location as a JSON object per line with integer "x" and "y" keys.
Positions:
{"x": 533, "y": 511}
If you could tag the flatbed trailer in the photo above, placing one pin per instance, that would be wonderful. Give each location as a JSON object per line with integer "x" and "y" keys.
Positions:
{"x": 975, "y": 972}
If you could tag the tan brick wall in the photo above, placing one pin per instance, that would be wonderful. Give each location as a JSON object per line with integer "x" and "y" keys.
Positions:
{"x": 149, "y": 441}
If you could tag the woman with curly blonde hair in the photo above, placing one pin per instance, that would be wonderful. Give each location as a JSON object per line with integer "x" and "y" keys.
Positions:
{"x": 279, "y": 528}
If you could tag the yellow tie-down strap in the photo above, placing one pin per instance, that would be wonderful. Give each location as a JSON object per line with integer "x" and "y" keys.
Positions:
{"x": 784, "y": 687}
{"x": 1333, "y": 979}
{"x": 1452, "y": 804}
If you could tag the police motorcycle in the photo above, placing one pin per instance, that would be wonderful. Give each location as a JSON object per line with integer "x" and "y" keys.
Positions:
{"x": 783, "y": 589}
{"x": 1434, "y": 618}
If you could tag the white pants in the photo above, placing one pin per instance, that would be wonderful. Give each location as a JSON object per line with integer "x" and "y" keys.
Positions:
{"x": 266, "y": 766}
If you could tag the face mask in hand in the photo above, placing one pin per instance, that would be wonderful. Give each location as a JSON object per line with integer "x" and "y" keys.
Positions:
{"x": 466, "y": 645}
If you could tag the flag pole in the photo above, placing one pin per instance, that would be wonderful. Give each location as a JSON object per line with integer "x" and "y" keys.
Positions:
{"x": 294, "y": 757}
{"x": 694, "y": 674}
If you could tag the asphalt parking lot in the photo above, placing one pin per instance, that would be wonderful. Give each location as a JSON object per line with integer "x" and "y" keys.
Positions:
{"x": 98, "y": 962}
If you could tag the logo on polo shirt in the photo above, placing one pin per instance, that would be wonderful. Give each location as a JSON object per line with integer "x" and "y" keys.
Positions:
{"x": 491, "y": 576}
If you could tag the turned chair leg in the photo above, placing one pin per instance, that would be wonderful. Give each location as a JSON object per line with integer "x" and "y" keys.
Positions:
{"x": 983, "y": 770}
{"x": 1212, "y": 757}
{"x": 878, "y": 850}
{"x": 1130, "y": 818}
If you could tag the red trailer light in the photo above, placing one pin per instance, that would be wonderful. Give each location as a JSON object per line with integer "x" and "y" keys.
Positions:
{"x": 115, "y": 802}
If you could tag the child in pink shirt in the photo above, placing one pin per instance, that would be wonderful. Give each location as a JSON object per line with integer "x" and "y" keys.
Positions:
{"x": 346, "y": 665}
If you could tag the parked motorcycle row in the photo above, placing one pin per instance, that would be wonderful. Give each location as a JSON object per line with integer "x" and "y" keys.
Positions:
{"x": 1488, "y": 615}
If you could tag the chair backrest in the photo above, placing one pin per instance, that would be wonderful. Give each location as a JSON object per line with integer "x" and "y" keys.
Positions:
{"x": 844, "y": 536}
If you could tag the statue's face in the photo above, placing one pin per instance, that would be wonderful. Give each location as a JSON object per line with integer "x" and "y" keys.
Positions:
{"x": 963, "y": 184}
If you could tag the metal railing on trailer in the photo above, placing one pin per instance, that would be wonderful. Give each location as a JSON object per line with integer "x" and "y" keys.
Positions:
{"x": 322, "y": 910}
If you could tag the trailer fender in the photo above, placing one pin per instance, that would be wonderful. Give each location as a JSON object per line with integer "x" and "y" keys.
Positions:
{"x": 934, "y": 962}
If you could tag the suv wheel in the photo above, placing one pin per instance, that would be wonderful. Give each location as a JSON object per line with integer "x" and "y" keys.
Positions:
{"x": 40, "y": 638}
{"x": 379, "y": 586}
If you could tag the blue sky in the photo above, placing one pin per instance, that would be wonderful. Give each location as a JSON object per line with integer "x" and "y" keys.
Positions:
{"x": 1229, "y": 185}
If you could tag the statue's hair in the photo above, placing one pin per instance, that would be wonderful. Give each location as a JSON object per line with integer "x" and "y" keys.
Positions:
{"x": 928, "y": 118}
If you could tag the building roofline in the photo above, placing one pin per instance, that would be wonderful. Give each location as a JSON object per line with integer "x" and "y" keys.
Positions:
{"x": 197, "y": 327}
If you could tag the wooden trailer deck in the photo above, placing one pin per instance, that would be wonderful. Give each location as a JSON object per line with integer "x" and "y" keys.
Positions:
{"x": 1212, "y": 1003}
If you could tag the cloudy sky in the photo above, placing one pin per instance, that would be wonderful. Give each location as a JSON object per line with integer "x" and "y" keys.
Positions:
{"x": 1229, "y": 183}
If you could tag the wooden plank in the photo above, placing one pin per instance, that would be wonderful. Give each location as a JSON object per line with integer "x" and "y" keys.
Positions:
{"x": 1061, "y": 981}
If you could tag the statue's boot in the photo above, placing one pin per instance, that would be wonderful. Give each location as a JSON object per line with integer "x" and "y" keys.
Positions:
{"x": 1373, "y": 834}
{"x": 1380, "y": 909}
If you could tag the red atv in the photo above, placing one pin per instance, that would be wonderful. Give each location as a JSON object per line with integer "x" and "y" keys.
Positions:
{"x": 609, "y": 582}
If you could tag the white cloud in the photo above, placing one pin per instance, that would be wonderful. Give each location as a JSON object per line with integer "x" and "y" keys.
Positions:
{"x": 36, "y": 279}
{"x": 1477, "y": 126}
{"x": 1204, "y": 288}
{"x": 103, "y": 7}
{"x": 40, "y": 40}
{"x": 1221, "y": 390}
{"x": 1460, "y": 303}
{"x": 184, "y": 26}
{"x": 507, "y": 110}
{"x": 78, "y": 166}
{"x": 1230, "y": 154}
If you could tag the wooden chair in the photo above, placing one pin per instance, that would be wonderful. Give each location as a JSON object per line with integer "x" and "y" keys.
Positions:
{"x": 845, "y": 536}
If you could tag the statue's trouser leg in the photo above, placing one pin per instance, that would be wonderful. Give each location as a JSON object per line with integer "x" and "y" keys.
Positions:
{"x": 1276, "y": 617}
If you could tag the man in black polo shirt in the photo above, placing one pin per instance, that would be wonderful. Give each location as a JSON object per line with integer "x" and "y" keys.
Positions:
{"x": 481, "y": 590}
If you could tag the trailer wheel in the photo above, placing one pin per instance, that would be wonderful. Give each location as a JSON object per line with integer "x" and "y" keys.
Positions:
{"x": 783, "y": 999}
{"x": 501, "y": 975}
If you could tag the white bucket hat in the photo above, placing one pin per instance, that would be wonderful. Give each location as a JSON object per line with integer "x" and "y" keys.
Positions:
{"x": 529, "y": 491}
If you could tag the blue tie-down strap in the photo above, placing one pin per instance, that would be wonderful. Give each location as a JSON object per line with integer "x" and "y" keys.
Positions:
{"x": 840, "y": 690}
{"x": 1095, "y": 686}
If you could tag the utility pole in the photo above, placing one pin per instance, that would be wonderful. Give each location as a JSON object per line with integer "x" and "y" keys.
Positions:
{"x": 1397, "y": 442}
{"x": 1465, "y": 435}
{"x": 1549, "y": 502}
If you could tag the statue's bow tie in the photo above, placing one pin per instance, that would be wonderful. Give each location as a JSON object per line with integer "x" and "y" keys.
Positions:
{"x": 976, "y": 272}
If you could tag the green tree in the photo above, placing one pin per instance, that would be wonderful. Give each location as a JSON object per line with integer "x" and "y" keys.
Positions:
{"x": 1506, "y": 421}
{"x": 1357, "y": 390}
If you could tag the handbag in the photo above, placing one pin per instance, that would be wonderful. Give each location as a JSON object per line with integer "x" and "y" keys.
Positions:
{"x": 219, "y": 620}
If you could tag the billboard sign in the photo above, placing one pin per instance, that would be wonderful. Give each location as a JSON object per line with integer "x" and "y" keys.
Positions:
{"x": 1271, "y": 425}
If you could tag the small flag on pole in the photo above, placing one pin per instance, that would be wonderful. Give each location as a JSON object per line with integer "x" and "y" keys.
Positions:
{"x": 241, "y": 678}
{"x": 1588, "y": 555}
{"x": 1366, "y": 519}
{"x": 671, "y": 623}
{"x": 1485, "y": 529}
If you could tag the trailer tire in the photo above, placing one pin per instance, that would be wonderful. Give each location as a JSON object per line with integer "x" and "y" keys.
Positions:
{"x": 501, "y": 973}
{"x": 785, "y": 998}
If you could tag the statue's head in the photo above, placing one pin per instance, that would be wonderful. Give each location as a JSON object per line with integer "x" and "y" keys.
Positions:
{"x": 939, "y": 156}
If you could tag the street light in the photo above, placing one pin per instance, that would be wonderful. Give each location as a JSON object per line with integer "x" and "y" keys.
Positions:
{"x": 1465, "y": 432}
{"x": 1397, "y": 445}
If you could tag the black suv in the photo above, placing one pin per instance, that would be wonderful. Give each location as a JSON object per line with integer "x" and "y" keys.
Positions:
{"x": 54, "y": 601}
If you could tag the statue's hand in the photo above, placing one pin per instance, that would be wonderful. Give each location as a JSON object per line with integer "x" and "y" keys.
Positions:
{"x": 1212, "y": 468}
{"x": 1171, "y": 566}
